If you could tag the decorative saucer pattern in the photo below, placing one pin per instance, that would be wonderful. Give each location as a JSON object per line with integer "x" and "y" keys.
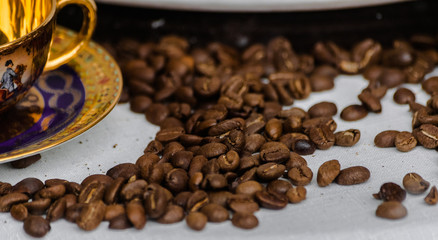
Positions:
{"x": 64, "y": 103}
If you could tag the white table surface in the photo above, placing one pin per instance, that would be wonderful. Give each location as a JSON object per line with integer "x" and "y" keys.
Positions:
{"x": 333, "y": 212}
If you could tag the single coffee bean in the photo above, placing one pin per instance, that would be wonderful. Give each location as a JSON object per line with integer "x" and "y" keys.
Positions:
{"x": 244, "y": 220}
{"x": 415, "y": 184}
{"x": 354, "y": 113}
{"x": 54, "y": 181}
{"x": 38, "y": 206}
{"x": 19, "y": 212}
{"x": 296, "y": 194}
{"x": 133, "y": 190}
{"x": 53, "y": 192}
{"x": 353, "y": 175}
{"x": 169, "y": 134}
{"x": 214, "y": 181}
{"x": 371, "y": 102}
{"x": 404, "y": 96}
{"x": 156, "y": 113}
{"x": 391, "y": 210}
{"x": 392, "y": 77}
{"x": 10, "y": 199}
{"x": 36, "y": 226}
{"x": 432, "y": 197}
{"x": 323, "y": 109}
{"x": 119, "y": 222}
{"x": 229, "y": 161}
{"x": 211, "y": 150}
{"x": 25, "y": 162}
{"x": 271, "y": 200}
{"x": 113, "y": 210}
{"x": 155, "y": 201}
{"x": 139, "y": 103}
{"x": 249, "y": 188}
{"x": 328, "y": 172}
{"x": 5, "y": 188}
{"x": 125, "y": 170}
{"x": 295, "y": 160}
{"x": 303, "y": 147}
{"x": 136, "y": 213}
{"x": 279, "y": 186}
{"x": 274, "y": 129}
{"x": 91, "y": 216}
{"x": 112, "y": 191}
{"x": 242, "y": 204}
{"x": 94, "y": 191}
{"x": 176, "y": 180}
{"x": 270, "y": 171}
{"x": 215, "y": 212}
{"x": 103, "y": 179}
{"x": 56, "y": 210}
{"x": 386, "y": 139}
{"x": 300, "y": 176}
{"x": 173, "y": 214}
{"x": 405, "y": 141}
{"x": 72, "y": 213}
{"x": 390, "y": 192}
{"x": 274, "y": 152}
{"x": 427, "y": 135}
{"x": 322, "y": 137}
{"x": 28, "y": 186}
{"x": 347, "y": 138}
{"x": 196, "y": 220}
{"x": 320, "y": 82}
{"x": 430, "y": 85}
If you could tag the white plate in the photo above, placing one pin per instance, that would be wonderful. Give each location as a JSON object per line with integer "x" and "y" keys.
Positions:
{"x": 251, "y": 5}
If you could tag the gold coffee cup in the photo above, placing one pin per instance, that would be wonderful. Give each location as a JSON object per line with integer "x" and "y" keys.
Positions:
{"x": 26, "y": 33}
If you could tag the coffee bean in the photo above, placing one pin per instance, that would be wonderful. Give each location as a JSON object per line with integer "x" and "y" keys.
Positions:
{"x": 140, "y": 103}
{"x": 405, "y": 141}
{"x": 390, "y": 192}
{"x": 53, "y": 192}
{"x": 391, "y": 210}
{"x": 176, "y": 180}
{"x": 19, "y": 212}
{"x": 430, "y": 85}
{"x": 279, "y": 186}
{"x": 244, "y": 220}
{"x": 169, "y": 134}
{"x": 427, "y": 135}
{"x": 322, "y": 137}
{"x": 10, "y": 199}
{"x": 36, "y": 226}
{"x": 112, "y": 191}
{"x": 271, "y": 200}
{"x": 133, "y": 190}
{"x": 391, "y": 77}
{"x": 300, "y": 176}
{"x": 354, "y": 113}
{"x": 103, "y": 179}
{"x": 328, "y": 172}
{"x": 274, "y": 152}
{"x": 119, "y": 222}
{"x": 56, "y": 210}
{"x": 296, "y": 194}
{"x": 38, "y": 206}
{"x": 25, "y": 162}
{"x": 210, "y": 150}
{"x": 5, "y": 188}
{"x": 415, "y": 184}
{"x": 404, "y": 96}
{"x": 91, "y": 215}
{"x": 243, "y": 204}
{"x": 112, "y": 211}
{"x": 321, "y": 83}
{"x": 270, "y": 171}
{"x": 196, "y": 220}
{"x": 303, "y": 147}
{"x": 274, "y": 129}
{"x": 94, "y": 191}
{"x": 156, "y": 113}
{"x": 432, "y": 197}
{"x": 215, "y": 212}
{"x": 28, "y": 186}
{"x": 72, "y": 213}
{"x": 125, "y": 170}
{"x": 136, "y": 213}
{"x": 386, "y": 138}
{"x": 347, "y": 138}
{"x": 249, "y": 188}
{"x": 353, "y": 175}
{"x": 371, "y": 102}
{"x": 323, "y": 109}
{"x": 155, "y": 201}
{"x": 173, "y": 214}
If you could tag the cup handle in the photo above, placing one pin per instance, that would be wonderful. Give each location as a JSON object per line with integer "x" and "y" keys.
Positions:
{"x": 83, "y": 37}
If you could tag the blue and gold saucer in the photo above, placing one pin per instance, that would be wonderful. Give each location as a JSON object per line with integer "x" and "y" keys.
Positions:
{"x": 63, "y": 103}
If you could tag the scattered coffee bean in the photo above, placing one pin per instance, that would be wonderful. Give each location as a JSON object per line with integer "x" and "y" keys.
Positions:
{"x": 353, "y": 175}
{"x": 404, "y": 96}
{"x": 391, "y": 210}
{"x": 386, "y": 139}
{"x": 328, "y": 172}
{"x": 244, "y": 220}
{"x": 432, "y": 197}
{"x": 354, "y": 113}
{"x": 347, "y": 138}
{"x": 415, "y": 184}
{"x": 26, "y": 162}
{"x": 36, "y": 226}
{"x": 296, "y": 194}
{"x": 405, "y": 141}
{"x": 390, "y": 192}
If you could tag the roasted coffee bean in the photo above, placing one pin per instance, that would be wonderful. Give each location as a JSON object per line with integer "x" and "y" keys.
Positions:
{"x": 196, "y": 220}
{"x": 432, "y": 196}
{"x": 54, "y": 181}
{"x": 235, "y": 140}
{"x": 94, "y": 191}
{"x": 119, "y": 222}
{"x": 53, "y": 192}
{"x": 112, "y": 211}
{"x": 19, "y": 212}
{"x": 196, "y": 201}
{"x": 427, "y": 135}
{"x": 197, "y": 163}
{"x": 322, "y": 137}
{"x": 397, "y": 57}
{"x": 229, "y": 162}
{"x": 347, "y": 138}
{"x": 140, "y": 103}
{"x": 195, "y": 181}
{"x": 133, "y": 190}
{"x": 103, "y": 179}
{"x": 125, "y": 170}
{"x": 354, "y": 113}
{"x": 91, "y": 216}
{"x": 249, "y": 188}
{"x": 371, "y": 102}
{"x": 28, "y": 186}
{"x": 10, "y": 199}
{"x": 155, "y": 201}
{"x": 244, "y": 220}
{"x": 415, "y": 184}
{"x": 300, "y": 176}
{"x": 295, "y": 160}
{"x": 242, "y": 204}
{"x": 405, "y": 141}
{"x": 404, "y": 96}
{"x": 328, "y": 172}
{"x": 70, "y": 199}
{"x": 319, "y": 82}
{"x": 226, "y": 126}
{"x": 391, "y": 210}
{"x": 25, "y": 162}
{"x": 271, "y": 200}
{"x": 210, "y": 150}
{"x": 136, "y": 213}
{"x": 176, "y": 180}
{"x": 214, "y": 181}
{"x": 253, "y": 142}
{"x": 5, "y": 188}
{"x": 323, "y": 109}
{"x": 392, "y": 77}
{"x": 320, "y": 121}
{"x": 296, "y": 194}
{"x": 156, "y": 113}
{"x": 390, "y": 192}
{"x": 219, "y": 197}
{"x": 279, "y": 186}
{"x": 274, "y": 129}
{"x": 430, "y": 85}
{"x": 169, "y": 134}
{"x": 112, "y": 191}
{"x": 386, "y": 138}
{"x": 154, "y": 146}
{"x": 36, "y": 226}
{"x": 72, "y": 213}
{"x": 270, "y": 171}
{"x": 271, "y": 110}
{"x": 274, "y": 152}
{"x": 173, "y": 214}
{"x": 215, "y": 212}
{"x": 254, "y": 124}
{"x": 56, "y": 210}
{"x": 353, "y": 175}
{"x": 38, "y": 206}
{"x": 303, "y": 147}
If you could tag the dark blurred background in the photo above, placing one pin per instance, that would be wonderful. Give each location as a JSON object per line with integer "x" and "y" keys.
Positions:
{"x": 345, "y": 27}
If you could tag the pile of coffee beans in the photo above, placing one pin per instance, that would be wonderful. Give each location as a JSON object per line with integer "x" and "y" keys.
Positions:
{"x": 393, "y": 195}
{"x": 226, "y": 146}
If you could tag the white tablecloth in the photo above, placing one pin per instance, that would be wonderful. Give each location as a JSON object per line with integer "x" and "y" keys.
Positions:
{"x": 334, "y": 212}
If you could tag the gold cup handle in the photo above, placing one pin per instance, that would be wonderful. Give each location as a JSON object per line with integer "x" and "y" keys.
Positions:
{"x": 83, "y": 37}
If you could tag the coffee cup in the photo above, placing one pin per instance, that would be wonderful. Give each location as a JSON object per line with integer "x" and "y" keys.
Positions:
{"x": 27, "y": 28}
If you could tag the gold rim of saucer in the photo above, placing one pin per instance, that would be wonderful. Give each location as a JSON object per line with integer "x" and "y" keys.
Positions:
{"x": 101, "y": 96}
